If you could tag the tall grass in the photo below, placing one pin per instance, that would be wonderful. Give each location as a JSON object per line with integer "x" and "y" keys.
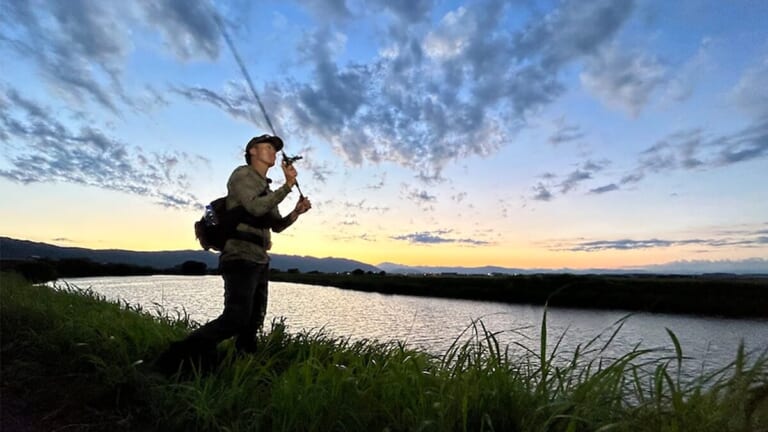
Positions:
{"x": 83, "y": 360}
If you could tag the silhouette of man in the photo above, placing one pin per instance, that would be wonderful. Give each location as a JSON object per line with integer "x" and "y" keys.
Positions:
{"x": 244, "y": 260}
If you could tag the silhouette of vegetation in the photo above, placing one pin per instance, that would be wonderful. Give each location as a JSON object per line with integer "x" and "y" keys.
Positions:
{"x": 33, "y": 271}
{"x": 44, "y": 270}
{"x": 73, "y": 361}
{"x": 716, "y": 294}
{"x": 726, "y": 295}
{"x": 194, "y": 268}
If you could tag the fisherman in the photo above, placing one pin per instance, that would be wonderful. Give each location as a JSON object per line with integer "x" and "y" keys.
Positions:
{"x": 244, "y": 260}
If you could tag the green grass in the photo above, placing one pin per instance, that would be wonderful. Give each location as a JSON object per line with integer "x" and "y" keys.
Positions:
{"x": 73, "y": 361}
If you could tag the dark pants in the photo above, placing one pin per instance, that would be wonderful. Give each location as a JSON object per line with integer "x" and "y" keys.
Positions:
{"x": 245, "y": 305}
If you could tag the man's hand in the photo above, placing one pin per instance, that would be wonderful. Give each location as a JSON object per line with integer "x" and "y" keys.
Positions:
{"x": 302, "y": 206}
{"x": 290, "y": 174}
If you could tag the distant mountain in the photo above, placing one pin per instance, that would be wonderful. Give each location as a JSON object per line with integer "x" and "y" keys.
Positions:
{"x": 405, "y": 269}
{"x": 23, "y": 249}
{"x": 750, "y": 266}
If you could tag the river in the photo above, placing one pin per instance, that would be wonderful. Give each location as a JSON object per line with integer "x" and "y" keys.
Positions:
{"x": 433, "y": 324}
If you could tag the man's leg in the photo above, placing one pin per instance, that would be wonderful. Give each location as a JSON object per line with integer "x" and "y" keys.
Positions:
{"x": 240, "y": 281}
{"x": 246, "y": 339}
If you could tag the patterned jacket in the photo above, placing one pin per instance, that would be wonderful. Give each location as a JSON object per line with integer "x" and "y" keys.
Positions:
{"x": 247, "y": 188}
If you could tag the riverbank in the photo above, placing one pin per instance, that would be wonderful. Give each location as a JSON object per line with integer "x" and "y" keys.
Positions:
{"x": 71, "y": 360}
{"x": 725, "y": 295}
{"x": 716, "y": 295}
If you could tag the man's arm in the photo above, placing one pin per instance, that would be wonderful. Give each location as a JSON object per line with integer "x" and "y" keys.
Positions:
{"x": 248, "y": 191}
{"x": 284, "y": 222}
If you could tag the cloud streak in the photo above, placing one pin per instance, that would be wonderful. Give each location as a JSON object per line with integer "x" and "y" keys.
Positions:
{"x": 437, "y": 237}
{"x": 55, "y": 153}
{"x": 695, "y": 149}
{"x": 81, "y": 48}
{"x": 730, "y": 239}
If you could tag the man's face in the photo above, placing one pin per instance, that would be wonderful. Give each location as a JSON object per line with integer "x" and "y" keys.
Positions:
{"x": 264, "y": 153}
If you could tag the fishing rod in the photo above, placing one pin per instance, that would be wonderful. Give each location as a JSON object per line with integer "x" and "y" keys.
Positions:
{"x": 288, "y": 160}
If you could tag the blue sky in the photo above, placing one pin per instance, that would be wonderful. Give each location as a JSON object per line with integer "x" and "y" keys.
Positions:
{"x": 533, "y": 134}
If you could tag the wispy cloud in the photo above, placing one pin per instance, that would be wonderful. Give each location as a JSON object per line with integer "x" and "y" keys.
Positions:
{"x": 362, "y": 206}
{"x": 437, "y": 237}
{"x": 541, "y": 193}
{"x": 683, "y": 150}
{"x": 88, "y": 156}
{"x": 726, "y": 239}
{"x": 751, "y": 92}
{"x": 564, "y": 133}
{"x": 604, "y": 189}
{"x": 694, "y": 149}
{"x": 568, "y": 182}
{"x": 81, "y": 48}
{"x": 379, "y": 184}
{"x": 419, "y": 196}
{"x": 622, "y": 79}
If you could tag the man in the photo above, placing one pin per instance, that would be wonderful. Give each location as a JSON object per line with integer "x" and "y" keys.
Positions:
{"x": 244, "y": 261}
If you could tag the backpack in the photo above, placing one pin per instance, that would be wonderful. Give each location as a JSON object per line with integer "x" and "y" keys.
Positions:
{"x": 213, "y": 229}
{"x": 219, "y": 225}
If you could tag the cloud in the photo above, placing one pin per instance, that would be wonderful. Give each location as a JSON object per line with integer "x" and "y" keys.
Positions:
{"x": 751, "y": 92}
{"x": 328, "y": 10}
{"x": 692, "y": 149}
{"x": 364, "y": 237}
{"x": 320, "y": 172}
{"x": 419, "y": 196}
{"x": 234, "y": 100}
{"x": 574, "y": 30}
{"x": 682, "y": 81}
{"x": 378, "y": 185}
{"x": 542, "y": 193}
{"x": 80, "y": 48}
{"x": 753, "y": 238}
{"x": 603, "y": 189}
{"x": 569, "y": 182}
{"x": 564, "y": 133}
{"x": 188, "y": 27}
{"x": 459, "y": 197}
{"x": 362, "y": 207}
{"x": 623, "y": 80}
{"x": 573, "y": 179}
{"x": 55, "y": 153}
{"x": 436, "y": 237}
{"x": 432, "y": 96}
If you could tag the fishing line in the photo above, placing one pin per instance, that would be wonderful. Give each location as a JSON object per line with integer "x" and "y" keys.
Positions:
{"x": 240, "y": 63}
{"x": 233, "y": 50}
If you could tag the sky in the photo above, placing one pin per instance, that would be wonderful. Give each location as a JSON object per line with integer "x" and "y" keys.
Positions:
{"x": 525, "y": 134}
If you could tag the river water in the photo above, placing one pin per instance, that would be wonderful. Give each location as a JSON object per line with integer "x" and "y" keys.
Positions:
{"x": 433, "y": 324}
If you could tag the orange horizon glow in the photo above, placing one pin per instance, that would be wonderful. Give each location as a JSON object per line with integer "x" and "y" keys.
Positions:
{"x": 523, "y": 257}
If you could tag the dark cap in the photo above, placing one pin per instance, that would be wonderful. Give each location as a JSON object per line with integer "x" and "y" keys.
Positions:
{"x": 276, "y": 142}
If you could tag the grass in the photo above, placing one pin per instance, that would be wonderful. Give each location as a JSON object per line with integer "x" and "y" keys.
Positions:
{"x": 73, "y": 361}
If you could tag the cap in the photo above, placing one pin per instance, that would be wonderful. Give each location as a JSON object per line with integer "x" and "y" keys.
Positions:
{"x": 276, "y": 142}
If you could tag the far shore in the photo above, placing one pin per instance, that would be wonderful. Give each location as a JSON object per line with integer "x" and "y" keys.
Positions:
{"x": 726, "y": 295}
{"x": 715, "y": 295}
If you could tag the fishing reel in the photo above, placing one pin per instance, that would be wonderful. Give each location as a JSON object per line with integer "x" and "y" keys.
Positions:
{"x": 289, "y": 160}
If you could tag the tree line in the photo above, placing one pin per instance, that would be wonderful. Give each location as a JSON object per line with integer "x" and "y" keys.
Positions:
{"x": 45, "y": 269}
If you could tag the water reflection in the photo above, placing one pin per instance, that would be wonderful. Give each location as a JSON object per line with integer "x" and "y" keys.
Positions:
{"x": 434, "y": 324}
